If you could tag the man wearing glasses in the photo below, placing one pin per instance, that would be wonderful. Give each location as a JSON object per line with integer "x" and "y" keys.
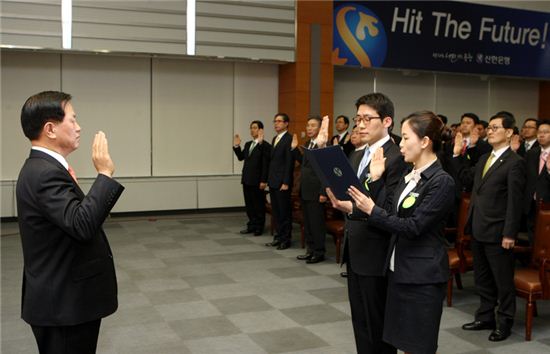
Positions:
{"x": 494, "y": 218}
{"x": 529, "y": 136}
{"x": 279, "y": 180}
{"x": 365, "y": 247}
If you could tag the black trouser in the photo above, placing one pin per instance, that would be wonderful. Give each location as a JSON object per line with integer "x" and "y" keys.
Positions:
{"x": 367, "y": 298}
{"x": 314, "y": 226}
{"x": 282, "y": 213}
{"x": 77, "y": 339}
{"x": 494, "y": 280}
{"x": 254, "y": 201}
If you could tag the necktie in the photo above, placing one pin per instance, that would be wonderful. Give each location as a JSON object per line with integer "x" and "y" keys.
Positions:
{"x": 72, "y": 173}
{"x": 464, "y": 147}
{"x": 526, "y": 146}
{"x": 364, "y": 162}
{"x": 252, "y": 146}
{"x": 311, "y": 145}
{"x": 487, "y": 165}
{"x": 543, "y": 159}
{"x": 277, "y": 140}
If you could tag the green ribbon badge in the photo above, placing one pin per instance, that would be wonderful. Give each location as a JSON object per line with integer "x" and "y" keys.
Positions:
{"x": 367, "y": 182}
{"x": 409, "y": 201}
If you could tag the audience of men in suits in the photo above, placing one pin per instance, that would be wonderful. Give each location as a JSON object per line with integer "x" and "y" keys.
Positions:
{"x": 311, "y": 197}
{"x": 537, "y": 163}
{"x": 254, "y": 176}
{"x": 528, "y": 137}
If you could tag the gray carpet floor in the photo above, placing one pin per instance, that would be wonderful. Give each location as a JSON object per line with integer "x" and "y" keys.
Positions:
{"x": 193, "y": 284}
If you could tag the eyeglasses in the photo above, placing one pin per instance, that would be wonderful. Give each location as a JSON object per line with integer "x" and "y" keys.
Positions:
{"x": 493, "y": 128}
{"x": 366, "y": 119}
{"x": 278, "y": 121}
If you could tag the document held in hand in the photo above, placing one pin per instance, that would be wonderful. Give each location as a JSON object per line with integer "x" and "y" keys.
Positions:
{"x": 333, "y": 169}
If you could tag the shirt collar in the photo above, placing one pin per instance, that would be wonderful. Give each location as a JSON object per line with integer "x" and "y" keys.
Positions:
{"x": 280, "y": 135}
{"x": 416, "y": 174}
{"x": 361, "y": 147}
{"x": 53, "y": 154}
{"x": 379, "y": 143}
{"x": 499, "y": 152}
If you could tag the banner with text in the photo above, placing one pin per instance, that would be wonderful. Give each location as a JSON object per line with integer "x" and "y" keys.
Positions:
{"x": 442, "y": 36}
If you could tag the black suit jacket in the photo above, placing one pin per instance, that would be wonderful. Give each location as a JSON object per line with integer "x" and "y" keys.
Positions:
{"x": 310, "y": 185}
{"x": 256, "y": 165}
{"x": 281, "y": 166}
{"x": 470, "y": 158}
{"x": 497, "y": 198}
{"x": 417, "y": 231}
{"x": 366, "y": 245}
{"x": 536, "y": 183}
{"x": 521, "y": 150}
{"x": 346, "y": 146}
{"x": 69, "y": 275}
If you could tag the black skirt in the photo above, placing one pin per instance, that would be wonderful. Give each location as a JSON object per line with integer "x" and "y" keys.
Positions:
{"x": 413, "y": 315}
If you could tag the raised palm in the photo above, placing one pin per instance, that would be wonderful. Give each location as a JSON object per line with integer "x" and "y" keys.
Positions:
{"x": 377, "y": 164}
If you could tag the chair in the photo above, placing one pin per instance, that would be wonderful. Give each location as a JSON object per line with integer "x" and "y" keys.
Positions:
{"x": 335, "y": 225}
{"x": 533, "y": 283}
{"x": 460, "y": 257}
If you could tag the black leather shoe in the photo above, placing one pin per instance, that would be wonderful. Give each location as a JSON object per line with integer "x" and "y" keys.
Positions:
{"x": 304, "y": 257}
{"x": 275, "y": 243}
{"x": 245, "y": 231}
{"x": 284, "y": 245}
{"x": 258, "y": 233}
{"x": 344, "y": 274}
{"x": 315, "y": 259}
{"x": 478, "y": 326}
{"x": 499, "y": 334}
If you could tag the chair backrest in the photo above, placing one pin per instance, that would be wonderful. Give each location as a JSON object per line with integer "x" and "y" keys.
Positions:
{"x": 462, "y": 217}
{"x": 541, "y": 247}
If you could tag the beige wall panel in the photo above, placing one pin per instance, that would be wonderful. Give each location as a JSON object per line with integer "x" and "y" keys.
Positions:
{"x": 192, "y": 117}
{"x": 23, "y": 74}
{"x": 220, "y": 192}
{"x": 458, "y": 94}
{"x": 520, "y": 97}
{"x": 256, "y": 90}
{"x": 111, "y": 94}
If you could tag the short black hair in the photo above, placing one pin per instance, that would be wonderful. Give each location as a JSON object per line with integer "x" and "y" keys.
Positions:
{"x": 379, "y": 102}
{"x": 471, "y": 116}
{"x": 484, "y": 123}
{"x": 531, "y": 119}
{"x": 315, "y": 117}
{"x": 508, "y": 120}
{"x": 285, "y": 116}
{"x": 258, "y": 123}
{"x": 41, "y": 108}
{"x": 443, "y": 118}
{"x": 543, "y": 122}
{"x": 346, "y": 119}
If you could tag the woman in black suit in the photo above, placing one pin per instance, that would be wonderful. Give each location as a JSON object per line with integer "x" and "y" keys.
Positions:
{"x": 417, "y": 259}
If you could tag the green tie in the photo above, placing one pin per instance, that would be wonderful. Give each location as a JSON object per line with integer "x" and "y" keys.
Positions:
{"x": 487, "y": 165}
{"x": 252, "y": 146}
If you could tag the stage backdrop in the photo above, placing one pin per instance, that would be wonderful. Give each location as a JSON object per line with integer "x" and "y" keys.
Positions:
{"x": 442, "y": 36}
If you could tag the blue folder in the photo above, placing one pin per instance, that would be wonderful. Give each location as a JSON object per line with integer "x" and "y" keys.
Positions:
{"x": 333, "y": 169}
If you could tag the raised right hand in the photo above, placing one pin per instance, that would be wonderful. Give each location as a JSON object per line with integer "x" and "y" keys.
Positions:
{"x": 100, "y": 155}
{"x": 322, "y": 137}
{"x": 294, "y": 143}
{"x": 459, "y": 144}
{"x": 236, "y": 140}
{"x": 515, "y": 142}
{"x": 377, "y": 164}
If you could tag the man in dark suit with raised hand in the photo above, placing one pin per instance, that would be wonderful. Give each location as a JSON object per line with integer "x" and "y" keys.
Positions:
{"x": 254, "y": 176}
{"x": 366, "y": 246}
{"x": 279, "y": 180}
{"x": 493, "y": 221}
{"x": 537, "y": 161}
{"x": 311, "y": 198}
{"x": 69, "y": 281}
